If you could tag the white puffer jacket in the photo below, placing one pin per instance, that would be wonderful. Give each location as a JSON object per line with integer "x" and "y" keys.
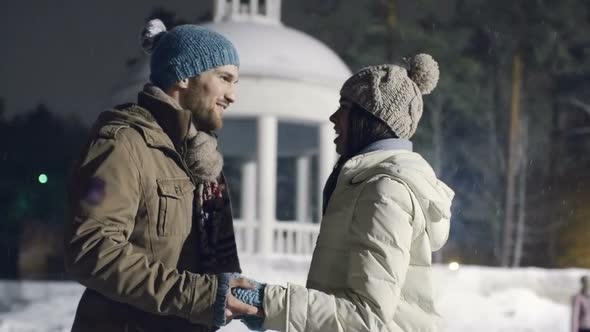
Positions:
{"x": 370, "y": 270}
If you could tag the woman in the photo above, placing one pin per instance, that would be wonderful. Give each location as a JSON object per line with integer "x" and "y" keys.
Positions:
{"x": 581, "y": 308}
{"x": 384, "y": 213}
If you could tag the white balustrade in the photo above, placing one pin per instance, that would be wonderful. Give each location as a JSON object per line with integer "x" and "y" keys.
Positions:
{"x": 289, "y": 237}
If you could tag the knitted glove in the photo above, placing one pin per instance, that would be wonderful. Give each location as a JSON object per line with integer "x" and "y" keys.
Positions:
{"x": 253, "y": 323}
{"x": 220, "y": 303}
{"x": 253, "y": 297}
{"x": 249, "y": 296}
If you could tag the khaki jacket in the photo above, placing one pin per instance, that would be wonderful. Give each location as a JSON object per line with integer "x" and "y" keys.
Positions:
{"x": 370, "y": 269}
{"x": 129, "y": 230}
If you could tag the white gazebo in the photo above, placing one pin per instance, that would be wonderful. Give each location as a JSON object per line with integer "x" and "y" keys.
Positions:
{"x": 289, "y": 85}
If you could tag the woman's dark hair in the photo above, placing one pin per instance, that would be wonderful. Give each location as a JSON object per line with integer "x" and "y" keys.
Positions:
{"x": 363, "y": 129}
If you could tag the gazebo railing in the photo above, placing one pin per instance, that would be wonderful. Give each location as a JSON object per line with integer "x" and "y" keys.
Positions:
{"x": 288, "y": 237}
{"x": 246, "y": 234}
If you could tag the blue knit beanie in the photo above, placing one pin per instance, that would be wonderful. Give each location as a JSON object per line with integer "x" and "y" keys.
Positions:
{"x": 184, "y": 52}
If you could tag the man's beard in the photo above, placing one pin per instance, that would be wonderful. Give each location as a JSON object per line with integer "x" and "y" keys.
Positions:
{"x": 206, "y": 120}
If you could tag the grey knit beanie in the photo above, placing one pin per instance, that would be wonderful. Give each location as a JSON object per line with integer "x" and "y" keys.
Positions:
{"x": 393, "y": 93}
{"x": 184, "y": 52}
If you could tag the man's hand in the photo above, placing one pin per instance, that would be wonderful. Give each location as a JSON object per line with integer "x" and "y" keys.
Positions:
{"x": 235, "y": 307}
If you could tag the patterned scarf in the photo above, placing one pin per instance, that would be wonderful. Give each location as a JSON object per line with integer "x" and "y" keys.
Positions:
{"x": 212, "y": 217}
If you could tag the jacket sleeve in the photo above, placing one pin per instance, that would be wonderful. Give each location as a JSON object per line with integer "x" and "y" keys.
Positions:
{"x": 575, "y": 313}
{"x": 381, "y": 233}
{"x": 103, "y": 200}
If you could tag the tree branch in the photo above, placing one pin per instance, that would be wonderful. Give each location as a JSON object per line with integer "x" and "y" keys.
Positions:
{"x": 577, "y": 103}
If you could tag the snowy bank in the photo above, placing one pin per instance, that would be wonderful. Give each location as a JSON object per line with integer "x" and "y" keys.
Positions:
{"x": 470, "y": 299}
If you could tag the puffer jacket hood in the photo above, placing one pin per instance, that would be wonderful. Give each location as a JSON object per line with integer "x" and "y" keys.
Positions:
{"x": 433, "y": 195}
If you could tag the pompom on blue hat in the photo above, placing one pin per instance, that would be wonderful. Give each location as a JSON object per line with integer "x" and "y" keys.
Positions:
{"x": 184, "y": 52}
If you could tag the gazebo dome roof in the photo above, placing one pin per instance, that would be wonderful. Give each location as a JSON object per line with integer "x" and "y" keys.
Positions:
{"x": 277, "y": 51}
{"x": 283, "y": 72}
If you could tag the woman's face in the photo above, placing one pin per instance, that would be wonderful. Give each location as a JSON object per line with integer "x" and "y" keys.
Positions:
{"x": 340, "y": 121}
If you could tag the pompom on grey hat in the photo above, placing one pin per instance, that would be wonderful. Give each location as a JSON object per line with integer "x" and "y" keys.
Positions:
{"x": 184, "y": 52}
{"x": 393, "y": 93}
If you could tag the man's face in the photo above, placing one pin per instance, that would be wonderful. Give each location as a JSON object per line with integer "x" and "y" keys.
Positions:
{"x": 340, "y": 121}
{"x": 208, "y": 95}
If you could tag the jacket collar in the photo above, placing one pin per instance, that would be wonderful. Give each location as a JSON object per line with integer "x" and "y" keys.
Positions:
{"x": 389, "y": 144}
{"x": 174, "y": 120}
{"x": 363, "y": 166}
{"x": 375, "y": 154}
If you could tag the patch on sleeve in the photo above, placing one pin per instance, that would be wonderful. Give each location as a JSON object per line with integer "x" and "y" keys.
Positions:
{"x": 95, "y": 191}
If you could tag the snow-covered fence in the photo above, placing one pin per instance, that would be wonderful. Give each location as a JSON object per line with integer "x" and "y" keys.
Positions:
{"x": 288, "y": 238}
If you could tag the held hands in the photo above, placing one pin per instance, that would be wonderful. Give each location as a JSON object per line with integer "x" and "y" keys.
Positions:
{"x": 252, "y": 296}
{"x": 236, "y": 307}
{"x": 255, "y": 297}
{"x": 241, "y": 298}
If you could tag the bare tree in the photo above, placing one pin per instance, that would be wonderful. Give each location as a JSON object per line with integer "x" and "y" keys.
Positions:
{"x": 511, "y": 171}
{"x": 522, "y": 196}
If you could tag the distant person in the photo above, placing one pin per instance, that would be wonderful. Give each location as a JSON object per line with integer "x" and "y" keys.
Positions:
{"x": 149, "y": 227}
{"x": 581, "y": 308}
{"x": 385, "y": 212}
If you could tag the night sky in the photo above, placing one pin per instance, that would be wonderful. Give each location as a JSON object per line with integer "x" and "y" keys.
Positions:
{"x": 71, "y": 54}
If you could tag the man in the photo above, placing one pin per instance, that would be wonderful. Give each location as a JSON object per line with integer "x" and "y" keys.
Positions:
{"x": 581, "y": 308}
{"x": 149, "y": 227}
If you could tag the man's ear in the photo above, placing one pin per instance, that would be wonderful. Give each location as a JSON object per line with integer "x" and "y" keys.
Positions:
{"x": 182, "y": 84}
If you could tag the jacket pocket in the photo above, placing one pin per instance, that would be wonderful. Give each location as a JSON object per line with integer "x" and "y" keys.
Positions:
{"x": 175, "y": 206}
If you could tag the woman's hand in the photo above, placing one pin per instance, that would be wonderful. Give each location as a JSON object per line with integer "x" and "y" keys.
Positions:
{"x": 235, "y": 307}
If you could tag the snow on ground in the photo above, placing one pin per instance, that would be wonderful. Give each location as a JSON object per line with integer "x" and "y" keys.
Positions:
{"x": 493, "y": 299}
{"x": 471, "y": 299}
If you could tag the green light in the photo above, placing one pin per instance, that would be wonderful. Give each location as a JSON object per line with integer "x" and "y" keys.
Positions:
{"x": 43, "y": 179}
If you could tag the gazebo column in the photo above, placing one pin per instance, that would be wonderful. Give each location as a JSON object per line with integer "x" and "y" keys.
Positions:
{"x": 302, "y": 189}
{"x": 253, "y": 7}
{"x": 267, "y": 180}
{"x": 326, "y": 159}
{"x": 302, "y": 201}
{"x": 235, "y": 7}
{"x": 248, "y": 209}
